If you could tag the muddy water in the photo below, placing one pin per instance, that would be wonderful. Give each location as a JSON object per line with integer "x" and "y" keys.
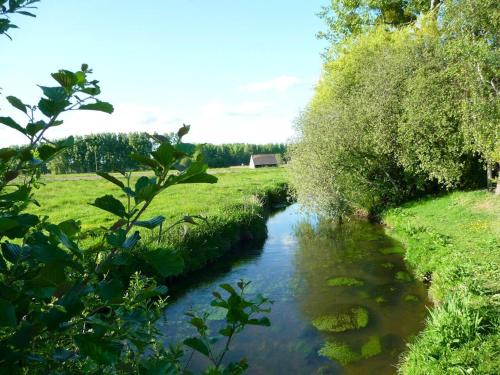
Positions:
{"x": 344, "y": 302}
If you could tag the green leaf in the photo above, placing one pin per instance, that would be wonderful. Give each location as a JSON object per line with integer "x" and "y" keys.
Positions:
{"x": 165, "y": 261}
{"x": 260, "y": 322}
{"x": 34, "y": 127}
{"x": 51, "y": 108}
{"x": 25, "y": 13}
{"x": 7, "y": 223}
{"x": 98, "y": 106}
{"x": 47, "y": 151}
{"x": 16, "y": 103}
{"x": 7, "y": 153}
{"x": 111, "y": 179}
{"x": 56, "y": 94}
{"x": 64, "y": 239}
{"x": 111, "y": 291}
{"x": 145, "y": 189}
{"x": 99, "y": 349}
{"x": 145, "y": 160}
{"x": 151, "y": 223}
{"x": 131, "y": 241}
{"x": 183, "y": 131}
{"x": 70, "y": 227}
{"x": 11, "y": 124}
{"x": 7, "y": 314}
{"x": 110, "y": 204}
{"x": 11, "y": 252}
{"x": 198, "y": 345}
{"x": 228, "y": 288}
{"x": 65, "y": 78}
{"x": 24, "y": 223}
{"x": 46, "y": 253}
{"x": 164, "y": 155}
{"x": 203, "y": 178}
{"x": 117, "y": 238}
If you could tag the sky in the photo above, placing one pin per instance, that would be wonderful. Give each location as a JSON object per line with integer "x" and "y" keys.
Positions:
{"x": 235, "y": 70}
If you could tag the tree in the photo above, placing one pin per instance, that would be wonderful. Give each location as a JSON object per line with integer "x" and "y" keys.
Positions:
{"x": 345, "y": 18}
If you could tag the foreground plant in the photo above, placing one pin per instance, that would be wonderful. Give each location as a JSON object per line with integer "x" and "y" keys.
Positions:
{"x": 66, "y": 308}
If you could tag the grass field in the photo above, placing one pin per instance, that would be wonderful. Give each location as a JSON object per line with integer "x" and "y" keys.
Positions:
{"x": 455, "y": 240}
{"x": 234, "y": 207}
{"x": 68, "y": 196}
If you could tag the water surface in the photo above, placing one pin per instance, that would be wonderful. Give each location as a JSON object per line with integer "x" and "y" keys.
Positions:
{"x": 296, "y": 268}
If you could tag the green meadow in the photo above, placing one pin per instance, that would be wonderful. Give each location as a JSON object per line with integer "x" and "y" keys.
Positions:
{"x": 68, "y": 196}
{"x": 453, "y": 241}
{"x": 233, "y": 210}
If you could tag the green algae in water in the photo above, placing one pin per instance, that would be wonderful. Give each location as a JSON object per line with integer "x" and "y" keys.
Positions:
{"x": 354, "y": 318}
{"x": 393, "y": 250}
{"x": 345, "y": 281}
{"x": 339, "y": 352}
{"x": 411, "y": 298}
{"x": 344, "y": 354}
{"x": 403, "y": 276}
{"x": 363, "y": 294}
{"x": 387, "y": 265}
{"x": 371, "y": 348}
{"x": 380, "y": 299}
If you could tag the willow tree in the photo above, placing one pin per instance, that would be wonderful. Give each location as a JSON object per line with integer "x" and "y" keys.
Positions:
{"x": 347, "y": 143}
{"x": 399, "y": 107}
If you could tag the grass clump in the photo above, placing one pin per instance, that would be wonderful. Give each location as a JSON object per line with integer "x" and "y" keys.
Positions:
{"x": 456, "y": 239}
{"x": 354, "y": 318}
{"x": 345, "y": 281}
{"x": 371, "y": 348}
{"x": 339, "y": 352}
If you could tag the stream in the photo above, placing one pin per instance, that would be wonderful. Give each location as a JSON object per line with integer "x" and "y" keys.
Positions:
{"x": 344, "y": 301}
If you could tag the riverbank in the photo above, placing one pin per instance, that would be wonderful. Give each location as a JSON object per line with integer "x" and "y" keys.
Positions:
{"x": 230, "y": 226}
{"x": 454, "y": 243}
{"x": 234, "y": 209}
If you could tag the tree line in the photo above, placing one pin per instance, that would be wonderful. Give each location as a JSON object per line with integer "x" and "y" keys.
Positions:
{"x": 407, "y": 104}
{"x": 109, "y": 152}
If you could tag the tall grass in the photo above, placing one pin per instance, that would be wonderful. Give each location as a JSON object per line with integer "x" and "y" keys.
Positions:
{"x": 454, "y": 241}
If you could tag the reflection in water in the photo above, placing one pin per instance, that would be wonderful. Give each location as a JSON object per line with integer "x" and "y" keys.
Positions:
{"x": 338, "y": 292}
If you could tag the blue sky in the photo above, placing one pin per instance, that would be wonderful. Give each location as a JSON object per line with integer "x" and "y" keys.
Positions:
{"x": 236, "y": 70}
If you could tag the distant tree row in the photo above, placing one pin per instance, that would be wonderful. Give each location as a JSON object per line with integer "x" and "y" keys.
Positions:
{"x": 110, "y": 152}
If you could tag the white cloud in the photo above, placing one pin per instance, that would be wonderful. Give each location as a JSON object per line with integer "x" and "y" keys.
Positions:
{"x": 282, "y": 83}
{"x": 217, "y": 121}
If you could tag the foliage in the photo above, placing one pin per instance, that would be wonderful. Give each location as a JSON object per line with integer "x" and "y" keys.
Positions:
{"x": 240, "y": 312}
{"x": 10, "y": 7}
{"x": 454, "y": 241}
{"x": 69, "y": 308}
{"x": 108, "y": 152}
{"x": 402, "y": 111}
{"x": 345, "y": 18}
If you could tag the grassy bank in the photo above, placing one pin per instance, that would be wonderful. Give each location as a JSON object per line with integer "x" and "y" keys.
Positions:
{"x": 454, "y": 241}
{"x": 234, "y": 208}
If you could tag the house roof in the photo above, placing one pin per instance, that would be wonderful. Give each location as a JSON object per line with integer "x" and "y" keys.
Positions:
{"x": 264, "y": 159}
